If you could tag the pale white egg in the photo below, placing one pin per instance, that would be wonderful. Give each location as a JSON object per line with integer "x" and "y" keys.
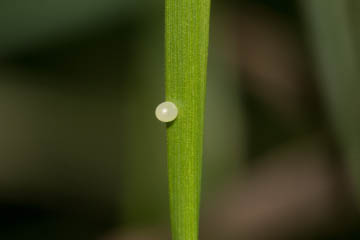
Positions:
{"x": 166, "y": 112}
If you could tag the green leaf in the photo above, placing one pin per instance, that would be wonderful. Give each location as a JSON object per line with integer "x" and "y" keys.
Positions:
{"x": 334, "y": 34}
{"x": 187, "y": 37}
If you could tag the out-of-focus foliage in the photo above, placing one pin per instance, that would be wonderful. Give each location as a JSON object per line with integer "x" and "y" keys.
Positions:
{"x": 27, "y": 23}
{"x": 336, "y": 45}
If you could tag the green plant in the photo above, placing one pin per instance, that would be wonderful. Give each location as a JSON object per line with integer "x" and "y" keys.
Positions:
{"x": 187, "y": 36}
{"x": 335, "y": 38}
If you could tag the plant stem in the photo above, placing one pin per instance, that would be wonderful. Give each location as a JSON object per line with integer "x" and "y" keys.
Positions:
{"x": 187, "y": 37}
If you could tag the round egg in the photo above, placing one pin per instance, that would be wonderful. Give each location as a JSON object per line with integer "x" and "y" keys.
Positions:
{"x": 166, "y": 112}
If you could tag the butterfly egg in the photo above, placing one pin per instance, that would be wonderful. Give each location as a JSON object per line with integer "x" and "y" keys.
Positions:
{"x": 166, "y": 112}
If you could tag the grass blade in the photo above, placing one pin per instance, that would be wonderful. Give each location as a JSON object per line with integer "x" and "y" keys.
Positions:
{"x": 334, "y": 33}
{"x": 187, "y": 36}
